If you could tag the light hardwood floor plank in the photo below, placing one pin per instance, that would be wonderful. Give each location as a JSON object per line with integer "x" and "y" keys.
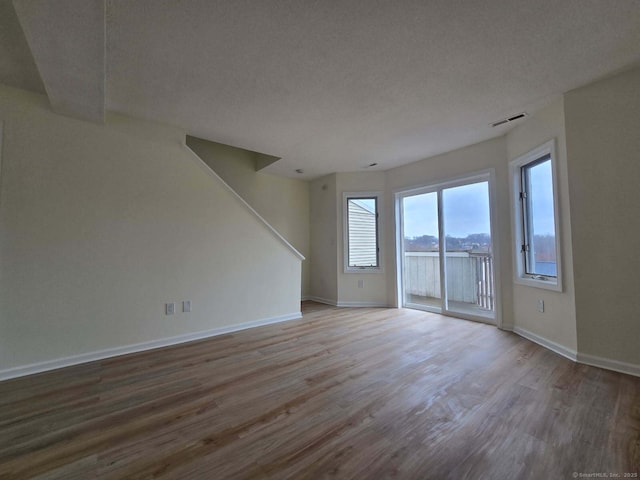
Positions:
{"x": 342, "y": 393}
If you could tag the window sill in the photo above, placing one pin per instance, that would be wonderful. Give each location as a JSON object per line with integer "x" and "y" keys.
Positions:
{"x": 549, "y": 284}
{"x": 363, "y": 270}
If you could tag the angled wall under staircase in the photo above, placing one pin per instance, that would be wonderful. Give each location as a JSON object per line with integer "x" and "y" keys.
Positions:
{"x": 282, "y": 202}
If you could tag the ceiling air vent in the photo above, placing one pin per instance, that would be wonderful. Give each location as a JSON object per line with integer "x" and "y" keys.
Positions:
{"x": 510, "y": 119}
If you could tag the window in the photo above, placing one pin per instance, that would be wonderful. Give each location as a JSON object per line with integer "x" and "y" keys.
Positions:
{"x": 536, "y": 219}
{"x": 362, "y": 250}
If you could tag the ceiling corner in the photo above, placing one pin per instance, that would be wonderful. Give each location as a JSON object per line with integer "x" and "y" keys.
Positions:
{"x": 68, "y": 41}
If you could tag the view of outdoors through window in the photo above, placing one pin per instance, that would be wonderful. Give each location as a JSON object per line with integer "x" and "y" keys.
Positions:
{"x": 540, "y": 230}
{"x": 467, "y": 249}
{"x": 362, "y": 229}
{"x": 466, "y": 211}
{"x": 421, "y": 250}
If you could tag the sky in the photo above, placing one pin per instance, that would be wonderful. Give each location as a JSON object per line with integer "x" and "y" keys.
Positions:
{"x": 420, "y": 215}
{"x": 542, "y": 199}
{"x": 466, "y": 208}
{"x": 366, "y": 203}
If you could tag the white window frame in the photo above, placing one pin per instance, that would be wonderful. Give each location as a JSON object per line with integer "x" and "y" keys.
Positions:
{"x": 345, "y": 231}
{"x": 1, "y": 143}
{"x": 515, "y": 170}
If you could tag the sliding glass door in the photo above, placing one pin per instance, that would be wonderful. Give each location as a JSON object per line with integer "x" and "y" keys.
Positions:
{"x": 446, "y": 249}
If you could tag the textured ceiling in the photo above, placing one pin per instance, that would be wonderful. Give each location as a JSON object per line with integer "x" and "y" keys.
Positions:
{"x": 334, "y": 86}
{"x": 17, "y": 68}
{"x": 67, "y": 41}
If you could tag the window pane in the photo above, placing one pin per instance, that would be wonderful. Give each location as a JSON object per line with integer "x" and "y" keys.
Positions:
{"x": 468, "y": 253}
{"x": 540, "y": 258}
{"x": 421, "y": 251}
{"x": 363, "y": 236}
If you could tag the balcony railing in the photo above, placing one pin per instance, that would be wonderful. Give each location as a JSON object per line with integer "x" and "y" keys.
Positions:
{"x": 469, "y": 277}
{"x": 484, "y": 279}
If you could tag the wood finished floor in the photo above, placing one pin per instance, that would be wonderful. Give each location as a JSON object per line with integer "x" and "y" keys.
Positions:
{"x": 341, "y": 393}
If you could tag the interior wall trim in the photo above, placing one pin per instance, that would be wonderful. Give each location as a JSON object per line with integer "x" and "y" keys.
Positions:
{"x": 206, "y": 168}
{"x": 553, "y": 346}
{"x": 615, "y": 365}
{"x": 362, "y": 304}
{"x": 326, "y": 301}
{"x": 336, "y": 303}
{"x": 45, "y": 366}
{"x": 593, "y": 360}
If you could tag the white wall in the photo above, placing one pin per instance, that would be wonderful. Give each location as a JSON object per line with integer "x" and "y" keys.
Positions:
{"x": 282, "y": 201}
{"x": 101, "y": 225}
{"x": 459, "y": 163}
{"x": 324, "y": 232}
{"x": 603, "y": 147}
{"x": 558, "y": 322}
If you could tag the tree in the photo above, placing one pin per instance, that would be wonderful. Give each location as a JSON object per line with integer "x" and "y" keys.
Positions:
{"x": 424, "y": 243}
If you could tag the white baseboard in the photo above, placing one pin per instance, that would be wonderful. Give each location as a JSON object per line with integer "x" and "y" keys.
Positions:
{"x": 362, "y": 304}
{"x": 553, "y": 346}
{"x": 335, "y": 303}
{"x": 326, "y": 301}
{"x": 593, "y": 360}
{"x": 615, "y": 365}
{"x": 138, "y": 347}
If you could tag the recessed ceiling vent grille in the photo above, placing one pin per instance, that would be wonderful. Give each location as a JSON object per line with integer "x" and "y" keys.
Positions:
{"x": 510, "y": 119}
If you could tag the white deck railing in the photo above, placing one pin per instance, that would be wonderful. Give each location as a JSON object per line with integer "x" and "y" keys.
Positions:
{"x": 469, "y": 277}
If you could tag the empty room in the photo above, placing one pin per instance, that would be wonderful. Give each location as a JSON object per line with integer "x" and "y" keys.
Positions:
{"x": 317, "y": 239}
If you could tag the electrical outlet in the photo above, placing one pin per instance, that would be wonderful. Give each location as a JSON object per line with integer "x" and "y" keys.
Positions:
{"x": 169, "y": 308}
{"x": 541, "y": 306}
{"x": 360, "y": 283}
{"x": 186, "y": 306}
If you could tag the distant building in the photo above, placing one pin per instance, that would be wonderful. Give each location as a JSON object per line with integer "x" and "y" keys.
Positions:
{"x": 362, "y": 235}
